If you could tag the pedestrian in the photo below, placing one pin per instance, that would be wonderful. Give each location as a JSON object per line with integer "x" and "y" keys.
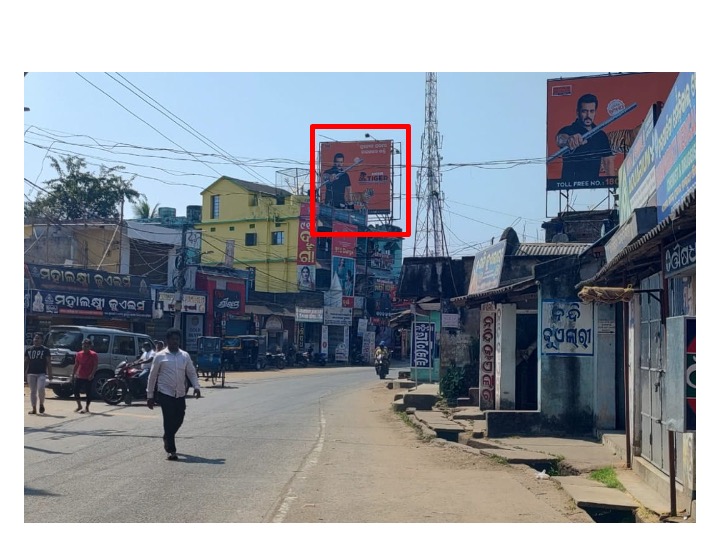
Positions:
{"x": 37, "y": 370}
{"x": 146, "y": 357}
{"x": 169, "y": 370}
{"x": 86, "y": 364}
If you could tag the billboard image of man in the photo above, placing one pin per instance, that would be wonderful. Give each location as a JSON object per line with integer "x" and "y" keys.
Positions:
{"x": 586, "y": 157}
{"x": 336, "y": 182}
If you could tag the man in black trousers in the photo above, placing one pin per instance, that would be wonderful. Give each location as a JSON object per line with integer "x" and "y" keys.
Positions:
{"x": 169, "y": 369}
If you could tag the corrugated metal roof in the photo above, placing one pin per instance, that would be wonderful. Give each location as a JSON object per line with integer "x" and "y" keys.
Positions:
{"x": 686, "y": 206}
{"x": 553, "y": 249}
{"x": 519, "y": 285}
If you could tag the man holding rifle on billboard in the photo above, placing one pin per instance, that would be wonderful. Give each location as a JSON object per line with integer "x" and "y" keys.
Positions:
{"x": 336, "y": 180}
{"x": 584, "y": 156}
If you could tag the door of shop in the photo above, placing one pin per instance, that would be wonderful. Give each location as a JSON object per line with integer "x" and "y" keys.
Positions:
{"x": 652, "y": 368}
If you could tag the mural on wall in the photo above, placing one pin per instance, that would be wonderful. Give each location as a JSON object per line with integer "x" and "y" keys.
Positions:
{"x": 567, "y": 328}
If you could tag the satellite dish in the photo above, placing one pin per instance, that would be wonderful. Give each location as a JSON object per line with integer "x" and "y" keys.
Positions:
{"x": 560, "y": 237}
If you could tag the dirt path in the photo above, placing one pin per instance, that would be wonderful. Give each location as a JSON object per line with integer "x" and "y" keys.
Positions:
{"x": 368, "y": 466}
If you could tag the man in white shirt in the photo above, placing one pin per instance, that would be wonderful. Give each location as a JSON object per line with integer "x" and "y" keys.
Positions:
{"x": 169, "y": 369}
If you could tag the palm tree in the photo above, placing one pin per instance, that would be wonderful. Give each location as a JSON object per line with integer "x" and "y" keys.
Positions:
{"x": 142, "y": 210}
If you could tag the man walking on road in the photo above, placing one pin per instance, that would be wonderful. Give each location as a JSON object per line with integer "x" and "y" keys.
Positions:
{"x": 86, "y": 364}
{"x": 169, "y": 369}
{"x": 37, "y": 369}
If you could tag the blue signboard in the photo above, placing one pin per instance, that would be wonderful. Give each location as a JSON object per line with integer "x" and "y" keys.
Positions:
{"x": 423, "y": 345}
{"x": 675, "y": 146}
{"x": 487, "y": 268}
{"x": 636, "y": 176}
{"x": 43, "y": 301}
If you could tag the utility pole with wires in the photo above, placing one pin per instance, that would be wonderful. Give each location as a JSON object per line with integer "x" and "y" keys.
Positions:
{"x": 179, "y": 281}
{"x": 429, "y": 230}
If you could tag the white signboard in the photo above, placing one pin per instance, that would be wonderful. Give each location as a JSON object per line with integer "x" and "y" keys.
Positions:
{"x": 191, "y": 303}
{"x": 450, "y": 320}
{"x": 306, "y": 314}
{"x": 338, "y": 316}
{"x": 362, "y": 326}
{"x": 324, "y": 340}
{"x": 368, "y": 346}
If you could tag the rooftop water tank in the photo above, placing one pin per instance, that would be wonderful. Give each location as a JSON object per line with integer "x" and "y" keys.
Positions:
{"x": 194, "y": 213}
{"x": 166, "y": 213}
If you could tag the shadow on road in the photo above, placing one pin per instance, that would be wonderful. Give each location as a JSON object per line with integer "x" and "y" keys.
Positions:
{"x": 197, "y": 459}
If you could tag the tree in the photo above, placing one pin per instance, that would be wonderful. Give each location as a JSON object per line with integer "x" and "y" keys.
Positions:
{"x": 77, "y": 194}
{"x": 142, "y": 210}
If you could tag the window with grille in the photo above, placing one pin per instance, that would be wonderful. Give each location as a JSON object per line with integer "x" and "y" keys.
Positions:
{"x": 278, "y": 238}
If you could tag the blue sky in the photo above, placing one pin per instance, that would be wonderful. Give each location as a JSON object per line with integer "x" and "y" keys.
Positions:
{"x": 263, "y": 121}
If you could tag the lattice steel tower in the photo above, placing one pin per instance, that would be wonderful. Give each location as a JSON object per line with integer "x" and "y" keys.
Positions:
{"x": 429, "y": 230}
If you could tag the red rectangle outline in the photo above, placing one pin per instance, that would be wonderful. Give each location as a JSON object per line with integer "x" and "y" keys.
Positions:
{"x": 379, "y": 234}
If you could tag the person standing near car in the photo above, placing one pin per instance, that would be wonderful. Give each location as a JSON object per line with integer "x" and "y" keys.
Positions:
{"x": 37, "y": 369}
{"x": 169, "y": 370}
{"x": 86, "y": 364}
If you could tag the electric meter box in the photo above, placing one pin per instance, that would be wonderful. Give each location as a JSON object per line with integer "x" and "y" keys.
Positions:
{"x": 679, "y": 398}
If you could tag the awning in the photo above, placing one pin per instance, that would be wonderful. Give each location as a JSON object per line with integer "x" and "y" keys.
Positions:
{"x": 519, "y": 285}
{"x": 257, "y": 310}
{"x": 642, "y": 256}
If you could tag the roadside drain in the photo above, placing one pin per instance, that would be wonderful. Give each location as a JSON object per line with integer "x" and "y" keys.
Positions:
{"x": 610, "y": 515}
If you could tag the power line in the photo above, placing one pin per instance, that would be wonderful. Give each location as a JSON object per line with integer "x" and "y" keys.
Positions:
{"x": 144, "y": 122}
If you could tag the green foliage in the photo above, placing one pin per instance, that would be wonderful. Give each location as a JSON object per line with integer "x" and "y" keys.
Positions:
{"x": 142, "y": 209}
{"x": 608, "y": 477}
{"x": 77, "y": 194}
{"x": 451, "y": 384}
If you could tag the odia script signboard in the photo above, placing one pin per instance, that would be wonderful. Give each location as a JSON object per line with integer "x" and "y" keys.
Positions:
{"x": 487, "y": 359}
{"x": 567, "y": 328}
{"x": 423, "y": 344}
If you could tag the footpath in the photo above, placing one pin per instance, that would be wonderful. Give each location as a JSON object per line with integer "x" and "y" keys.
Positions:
{"x": 567, "y": 461}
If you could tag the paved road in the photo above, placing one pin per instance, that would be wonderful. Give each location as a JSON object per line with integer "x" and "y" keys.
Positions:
{"x": 294, "y": 446}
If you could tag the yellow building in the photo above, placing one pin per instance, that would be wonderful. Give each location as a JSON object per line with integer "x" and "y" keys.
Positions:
{"x": 247, "y": 224}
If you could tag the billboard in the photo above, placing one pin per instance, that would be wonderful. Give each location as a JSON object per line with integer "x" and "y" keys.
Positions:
{"x": 592, "y": 123}
{"x": 487, "y": 268}
{"x": 636, "y": 176}
{"x": 675, "y": 146}
{"x": 356, "y": 175}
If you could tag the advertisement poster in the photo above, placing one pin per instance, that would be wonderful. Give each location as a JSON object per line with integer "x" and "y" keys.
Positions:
{"x": 690, "y": 375}
{"x": 576, "y": 106}
{"x": 343, "y": 276}
{"x": 307, "y": 249}
{"x": 356, "y": 175}
{"x": 193, "y": 330}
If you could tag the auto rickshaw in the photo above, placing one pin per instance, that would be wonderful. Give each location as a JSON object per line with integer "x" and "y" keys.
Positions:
{"x": 209, "y": 359}
{"x": 247, "y": 351}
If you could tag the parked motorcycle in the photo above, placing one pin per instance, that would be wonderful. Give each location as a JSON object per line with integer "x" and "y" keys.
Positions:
{"x": 382, "y": 362}
{"x": 275, "y": 359}
{"x": 129, "y": 383}
{"x": 316, "y": 358}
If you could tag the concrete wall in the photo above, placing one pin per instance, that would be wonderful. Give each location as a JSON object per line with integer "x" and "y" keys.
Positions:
{"x": 567, "y": 396}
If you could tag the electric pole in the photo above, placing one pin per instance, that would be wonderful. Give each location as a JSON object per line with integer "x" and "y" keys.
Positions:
{"x": 179, "y": 281}
{"x": 429, "y": 231}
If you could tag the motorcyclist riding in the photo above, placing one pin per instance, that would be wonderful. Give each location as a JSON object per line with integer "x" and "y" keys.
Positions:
{"x": 382, "y": 360}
